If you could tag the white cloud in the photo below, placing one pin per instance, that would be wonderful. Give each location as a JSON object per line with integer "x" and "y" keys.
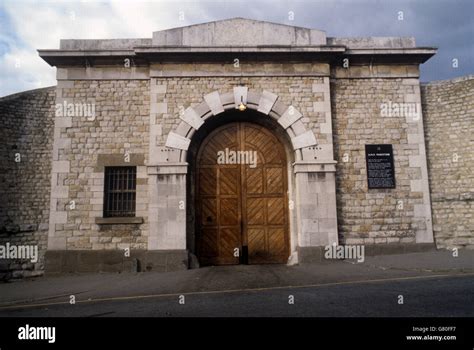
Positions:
{"x": 41, "y": 26}
{"x": 24, "y": 69}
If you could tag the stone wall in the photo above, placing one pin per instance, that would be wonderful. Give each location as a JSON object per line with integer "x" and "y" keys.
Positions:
{"x": 134, "y": 117}
{"x": 400, "y": 215}
{"x": 26, "y": 134}
{"x": 84, "y": 145}
{"x": 448, "y": 108}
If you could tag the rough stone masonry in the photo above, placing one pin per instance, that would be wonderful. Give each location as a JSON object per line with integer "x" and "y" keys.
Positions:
{"x": 156, "y": 98}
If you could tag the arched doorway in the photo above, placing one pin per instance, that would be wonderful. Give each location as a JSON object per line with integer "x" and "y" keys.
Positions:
{"x": 241, "y": 197}
{"x": 310, "y": 177}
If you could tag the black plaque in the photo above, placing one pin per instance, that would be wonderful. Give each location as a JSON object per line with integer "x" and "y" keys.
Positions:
{"x": 380, "y": 169}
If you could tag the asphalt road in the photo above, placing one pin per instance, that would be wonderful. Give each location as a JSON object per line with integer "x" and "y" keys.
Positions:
{"x": 422, "y": 297}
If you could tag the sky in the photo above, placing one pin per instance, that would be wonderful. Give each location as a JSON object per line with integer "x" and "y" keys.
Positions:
{"x": 27, "y": 25}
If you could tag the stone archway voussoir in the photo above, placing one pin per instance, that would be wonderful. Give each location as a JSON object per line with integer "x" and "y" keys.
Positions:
{"x": 303, "y": 140}
{"x": 227, "y": 100}
{"x": 298, "y": 127}
{"x": 214, "y": 102}
{"x": 289, "y": 117}
{"x": 253, "y": 98}
{"x": 192, "y": 118}
{"x": 175, "y": 140}
{"x": 279, "y": 108}
{"x": 266, "y": 102}
{"x": 240, "y": 95}
{"x": 203, "y": 110}
{"x": 183, "y": 129}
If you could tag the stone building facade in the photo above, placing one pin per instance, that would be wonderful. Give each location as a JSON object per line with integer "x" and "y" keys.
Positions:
{"x": 150, "y": 110}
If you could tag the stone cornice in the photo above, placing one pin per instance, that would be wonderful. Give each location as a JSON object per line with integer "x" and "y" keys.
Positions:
{"x": 145, "y": 55}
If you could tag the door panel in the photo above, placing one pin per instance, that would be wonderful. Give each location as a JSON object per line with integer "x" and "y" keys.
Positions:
{"x": 255, "y": 210}
{"x": 208, "y": 183}
{"x": 256, "y": 243}
{"x": 228, "y": 180}
{"x": 208, "y": 244}
{"x": 242, "y": 204}
{"x": 254, "y": 180}
{"x": 275, "y": 211}
{"x": 209, "y": 211}
{"x": 274, "y": 181}
{"x": 276, "y": 237}
{"x": 229, "y": 239}
{"x": 229, "y": 212}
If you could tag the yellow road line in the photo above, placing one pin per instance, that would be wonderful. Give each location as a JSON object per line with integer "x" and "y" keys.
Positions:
{"x": 136, "y": 297}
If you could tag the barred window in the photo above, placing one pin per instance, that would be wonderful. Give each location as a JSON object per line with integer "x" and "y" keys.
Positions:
{"x": 120, "y": 191}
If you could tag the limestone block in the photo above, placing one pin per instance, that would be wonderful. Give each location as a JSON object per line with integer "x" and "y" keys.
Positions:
{"x": 61, "y": 74}
{"x": 177, "y": 141}
{"x": 325, "y": 128}
{"x": 60, "y": 166}
{"x": 202, "y": 109}
{"x": 56, "y": 243}
{"x": 266, "y": 102}
{"x": 213, "y": 100}
{"x": 192, "y": 118}
{"x": 59, "y": 217}
{"x": 328, "y": 225}
{"x": 410, "y": 81}
{"x": 158, "y": 89}
{"x": 96, "y": 201}
{"x": 60, "y": 192}
{"x": 156, "y": 130}
{"x": 62, "y": 143}
{"x": 317, "y": 87}
{"x": 228, "y": 100}
{"x": 415, "y": 162}
{"x": 298, "y": 128}
{"x": 65, "y": 84}
{"x": 414, "y": 138}
{"x": 159, "y": 108}
{"x": 322, "y": 106}
{"x": 278, "y": 108}
{"x": 240, "y": 95}
{"x": 412, "y": 98}
{"x": 304, "y": 140}
{"x": 290, "y": 116}
{"x": 141, "y": 172}
{"x": 63, "y": 122}
{"x": 253, "y": 97}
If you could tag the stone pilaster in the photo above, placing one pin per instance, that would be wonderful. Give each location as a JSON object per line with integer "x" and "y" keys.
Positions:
{"x": 167, "y": 208}
{"x": 58, "y": 215}
{"x": 416, "y": 137}
{"x": 316, "y": 203}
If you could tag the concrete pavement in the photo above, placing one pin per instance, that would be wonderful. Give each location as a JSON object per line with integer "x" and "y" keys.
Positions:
{"x": 239, "y": 279}
{"x": 422, "y": 297}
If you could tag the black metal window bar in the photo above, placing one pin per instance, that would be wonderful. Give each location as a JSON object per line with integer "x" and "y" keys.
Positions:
{"x": 120, "y": 191}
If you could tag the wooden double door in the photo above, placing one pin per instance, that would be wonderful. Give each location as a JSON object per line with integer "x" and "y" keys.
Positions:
{"x": 241, "y": 198}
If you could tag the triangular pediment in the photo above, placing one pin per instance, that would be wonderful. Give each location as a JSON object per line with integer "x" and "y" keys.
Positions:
{"x": 239, "y": 32}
